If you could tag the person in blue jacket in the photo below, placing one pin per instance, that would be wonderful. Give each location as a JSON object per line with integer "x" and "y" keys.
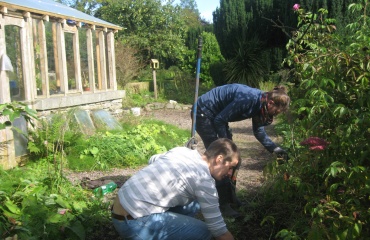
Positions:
{"x": 237, "y": 102}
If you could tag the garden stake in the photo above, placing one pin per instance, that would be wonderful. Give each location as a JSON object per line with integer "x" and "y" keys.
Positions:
{"x": 192, "y": 142}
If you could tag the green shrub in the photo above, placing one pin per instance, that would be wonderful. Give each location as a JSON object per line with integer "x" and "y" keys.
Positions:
{"x": 32, "y": 209}
{"x": 128, "y": 149}
{"x": 38, "y": 202}
{"x": 327, "y": 184}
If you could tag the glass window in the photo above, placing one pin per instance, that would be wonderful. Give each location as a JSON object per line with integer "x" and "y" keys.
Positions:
{"x": 70, "y": 57}
{"x": 13, "y": 50}
{"x": 54, "y": 82}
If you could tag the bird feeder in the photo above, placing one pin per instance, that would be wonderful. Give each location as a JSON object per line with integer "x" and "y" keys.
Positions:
{"x": 154, "y": 64}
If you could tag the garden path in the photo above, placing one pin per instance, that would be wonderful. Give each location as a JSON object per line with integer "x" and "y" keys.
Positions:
{"x": 254, "y": 155}
{"x": 250, "y": 176}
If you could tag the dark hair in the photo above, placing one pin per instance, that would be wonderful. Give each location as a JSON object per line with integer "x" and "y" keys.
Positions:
{"x": 280, "y": 98}
{"x": 222, "y": 146}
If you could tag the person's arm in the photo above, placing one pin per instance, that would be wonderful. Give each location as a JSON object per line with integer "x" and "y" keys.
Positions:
{"x": 221, "y": 126}
{"x": 226, "y": 236}
{"x": 260, "y": 134}
{"x": 221, "y": 121}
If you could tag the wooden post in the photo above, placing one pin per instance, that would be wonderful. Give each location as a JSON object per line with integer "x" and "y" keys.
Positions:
{"x": 154, "y": 64}
{"x": 155, "y": 84}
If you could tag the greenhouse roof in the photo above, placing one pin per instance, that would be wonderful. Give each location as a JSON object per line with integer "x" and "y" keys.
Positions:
{"x": 51, "y": 8}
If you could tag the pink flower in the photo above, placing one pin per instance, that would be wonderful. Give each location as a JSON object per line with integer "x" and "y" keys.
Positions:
{"x": 62, "y": 211}
{"x": 315, "y": 143}
{"x": 296, "y": 7}
{"x": 318, "y": 148}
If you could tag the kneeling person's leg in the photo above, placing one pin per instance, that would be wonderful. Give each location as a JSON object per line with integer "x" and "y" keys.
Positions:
{"x": 168, "y": 225}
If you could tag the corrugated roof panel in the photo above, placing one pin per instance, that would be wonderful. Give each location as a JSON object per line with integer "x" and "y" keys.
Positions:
{"x": 49, "y": 7}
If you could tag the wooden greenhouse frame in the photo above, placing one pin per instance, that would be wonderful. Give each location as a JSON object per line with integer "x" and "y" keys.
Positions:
{"x": 52, "y": 57}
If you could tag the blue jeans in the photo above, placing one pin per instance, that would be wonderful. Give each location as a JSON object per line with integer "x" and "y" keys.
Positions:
{"x": 177, "y": 223}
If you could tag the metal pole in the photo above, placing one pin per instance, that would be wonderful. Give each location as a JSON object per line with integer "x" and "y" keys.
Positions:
{"x": 200, "y": 43}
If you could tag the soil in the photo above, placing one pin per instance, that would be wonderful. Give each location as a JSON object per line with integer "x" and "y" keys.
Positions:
{"x": 250, "y": 175}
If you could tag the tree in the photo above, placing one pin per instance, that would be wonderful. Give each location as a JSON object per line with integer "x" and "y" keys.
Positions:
{"x": 156, "y": 30}
{"x": 128, "y": 65}
{"x": 190, "y": 5}
{"x": 211, "y": 55}
{"x": 230, "y": 22}
{"x": 86, "y": 6}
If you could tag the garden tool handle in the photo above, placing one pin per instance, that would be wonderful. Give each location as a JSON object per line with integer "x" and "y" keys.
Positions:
{"x": 200, "y": 43}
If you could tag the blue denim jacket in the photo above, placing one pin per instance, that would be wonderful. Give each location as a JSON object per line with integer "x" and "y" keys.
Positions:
{"x": 235, "y": 102}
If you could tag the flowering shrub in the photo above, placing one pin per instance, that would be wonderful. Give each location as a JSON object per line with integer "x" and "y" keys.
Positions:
{"x": 315, "y": 143}
{"x": 330, "y": 100}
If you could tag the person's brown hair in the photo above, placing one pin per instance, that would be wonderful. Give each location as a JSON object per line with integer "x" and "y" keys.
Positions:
{"x": 222, "y": 146}
{"x": 280, "y": 97}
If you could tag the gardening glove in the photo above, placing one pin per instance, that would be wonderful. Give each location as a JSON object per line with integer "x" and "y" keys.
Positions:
{"x": 281, "y": 154}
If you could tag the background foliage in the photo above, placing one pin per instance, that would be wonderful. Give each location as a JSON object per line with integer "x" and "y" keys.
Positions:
{"x": 37, "y": 201}
{"x": 329, "y": 182}
{"x": 321, "y": 51}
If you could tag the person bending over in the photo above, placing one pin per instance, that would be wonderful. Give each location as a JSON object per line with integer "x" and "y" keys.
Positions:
{"x": 237, "y": 102}
{"x": 161, "y": 200}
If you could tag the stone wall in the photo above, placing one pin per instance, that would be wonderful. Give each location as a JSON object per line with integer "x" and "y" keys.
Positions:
{"x": 114, "y": 107}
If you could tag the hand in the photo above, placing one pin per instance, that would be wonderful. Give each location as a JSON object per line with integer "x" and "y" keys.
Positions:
{"x": 281, "y": 153}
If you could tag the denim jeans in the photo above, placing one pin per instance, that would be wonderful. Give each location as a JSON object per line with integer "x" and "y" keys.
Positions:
{"x": 177, "y": 223}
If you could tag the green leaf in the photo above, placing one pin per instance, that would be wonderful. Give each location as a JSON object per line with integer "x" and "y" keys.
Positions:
{"x": 94, "y": 150}
{"x": 333, "y": 171}
{"x": 78, "y": 229}
{"x": 334, "y": 187}
{"x": 62, "y": 203}
{"x": 270, "y": 219}
{"x": 56, "y": 218}
{"x": 12, "y": 207}
{"x": 79, "y": 206}
{"x": 357, "y": 228}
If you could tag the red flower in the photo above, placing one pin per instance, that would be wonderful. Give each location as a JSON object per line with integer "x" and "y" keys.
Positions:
{"x": 315, "y": 143}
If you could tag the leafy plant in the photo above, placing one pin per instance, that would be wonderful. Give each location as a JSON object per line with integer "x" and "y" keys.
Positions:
{"x": 330, "y": 101}
{"x": 13, "y": 110}
{"x": 31, "y": 209}
{"x": 37, "y": 201}
{"x": 248, "y": 65}
{"x": 128, "y": 149}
